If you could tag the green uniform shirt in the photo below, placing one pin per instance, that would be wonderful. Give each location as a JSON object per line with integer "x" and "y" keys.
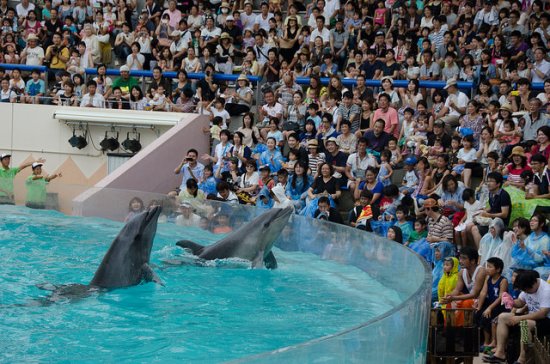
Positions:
{"x": 6, "y": 181}
{"x": 36, "y": 190}
{"x": 125, "y": 85}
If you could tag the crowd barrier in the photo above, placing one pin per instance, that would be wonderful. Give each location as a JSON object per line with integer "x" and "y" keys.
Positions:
{"x": 257, "y": 80}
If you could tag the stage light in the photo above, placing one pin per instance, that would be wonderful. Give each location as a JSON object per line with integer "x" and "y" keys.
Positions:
{"x": 133, "y": 145}
{"x": 78, "y": 141}
{"x": 110, "y": 143}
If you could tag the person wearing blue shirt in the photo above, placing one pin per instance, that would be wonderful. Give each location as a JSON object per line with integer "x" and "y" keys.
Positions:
{"x": 298, "y": 184}
{"x": 35, "y": 88}
{"x": 208, "y": 182}
{"x": 272, "y": 157}
{"x": 328, "y": 68}
{"x": 190, "y": 168}
{"x": 312, "y": 111}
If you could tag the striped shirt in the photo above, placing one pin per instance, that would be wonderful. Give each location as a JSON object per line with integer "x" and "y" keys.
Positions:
{"x": 314, "y": 162}
{"x": 441, "y": 228}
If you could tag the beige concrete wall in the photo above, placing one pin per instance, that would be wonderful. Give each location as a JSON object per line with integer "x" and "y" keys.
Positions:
{"x": 151, "y": 171}
{"x": 30, "y": 131}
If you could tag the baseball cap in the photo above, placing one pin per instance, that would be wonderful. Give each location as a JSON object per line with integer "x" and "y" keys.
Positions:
{"x": 5, "y": 155}
{"x": 36, "y": 164}
{"x": 124, "y": 68}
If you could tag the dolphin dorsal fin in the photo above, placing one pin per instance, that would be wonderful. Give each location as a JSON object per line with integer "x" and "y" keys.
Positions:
{"x": 195, "y": 248}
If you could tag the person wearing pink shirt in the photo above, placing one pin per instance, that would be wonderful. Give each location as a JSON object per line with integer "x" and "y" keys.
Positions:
{"x": 175, "y": 14}
{"x": 388, "y": 114}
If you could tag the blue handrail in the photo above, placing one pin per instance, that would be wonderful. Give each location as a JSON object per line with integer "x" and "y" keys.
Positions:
{"x": 22, "y": 67}
{"x": 255, "y": 79}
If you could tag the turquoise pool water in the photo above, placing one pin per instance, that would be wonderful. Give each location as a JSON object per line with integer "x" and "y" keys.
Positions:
{"x": 210, "y": 314}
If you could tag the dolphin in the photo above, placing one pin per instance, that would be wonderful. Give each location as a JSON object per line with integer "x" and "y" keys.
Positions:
{"x": 252, "y": 241}
{"x": 125, "y": 264}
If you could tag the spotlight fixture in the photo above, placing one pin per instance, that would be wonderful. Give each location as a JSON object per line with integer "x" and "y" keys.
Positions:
{"x": 133, "y": 145}
{"x": 78, "y": 141}
{"x": 110, "y": 143}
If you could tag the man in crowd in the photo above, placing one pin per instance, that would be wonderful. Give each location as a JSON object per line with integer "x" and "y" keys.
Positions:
{"x": 535, "y": 294}
{"x": 190, "y": 168}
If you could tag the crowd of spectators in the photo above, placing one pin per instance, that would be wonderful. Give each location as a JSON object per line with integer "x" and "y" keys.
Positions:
{"x": 444, "y": 168}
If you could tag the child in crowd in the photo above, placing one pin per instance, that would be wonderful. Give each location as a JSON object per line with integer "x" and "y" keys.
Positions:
{"x": 407, "y": 128}
{"x": 312, "y": 111}
{"x": 396, "y": 156}
{"x": 395, "y": 234}
{"x": 292, "y": 160}
{"x": 391, "y": 200}
{"x": 453, "y": 152}
{"x": 361, "y": 216}
{"x": 448, "y": 281}
{"x": 489, "y": 303}
{"x": 380, "y": 15}
{"x": 310, "y": 132}
{"x": 214, "y": 131}
{"x": 135, "y": 207}
{"x": 420, "y": 231}
{"x": 265, "y": 178}
{"x": 510, "y": 136}
{"x": 434, "y": 151}
{"x": 401, "y": 215}
{"x": 466, "y": 154}
{"x": 208, "y": 183}
{"x": 217, "y": 109}
{"x": 274, "y": 131}
{"x": 386, "y": 171}
{"x": 410, "y": 179}
{"x": 472, "y": 207}
{"x": 315, "y": 157}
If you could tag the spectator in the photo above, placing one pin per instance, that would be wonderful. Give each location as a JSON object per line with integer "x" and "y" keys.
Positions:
{"x": 455, "y": 106}
{"x": 535, "y": 295}
{"x": 326, "y": 212}
{"x": 440, "y": 228}
{"x": 500, "y": 205}
{"x": 376, "y": 137}
{"x": 92, "y": 99}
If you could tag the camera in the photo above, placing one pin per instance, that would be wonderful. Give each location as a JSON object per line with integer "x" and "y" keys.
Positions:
{"x": 208, "y": 73}
{"x": 189, "y": 159}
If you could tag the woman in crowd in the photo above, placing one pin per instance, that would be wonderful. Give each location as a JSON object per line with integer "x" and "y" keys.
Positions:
{"x": 221, "y": 153}
{"x": 543, "y": 142}
{"x": 516, "y": 167}
{"x": 241, "y": 98}
{"x": 250, "y": 132}
{"x": 373, "y": 185}
{"x": 240, "y": 151}
{"x": 272, "y": 157}
{"x": 298, "y": 185}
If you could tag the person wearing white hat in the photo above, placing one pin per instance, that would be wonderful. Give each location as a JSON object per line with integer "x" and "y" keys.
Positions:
{"x": 187, "y": 217}
{"x": 7, "y": 175}
{"x": 36, "y": 187}
{"x": 455, "y": 106}
{"x": 33, "y": 54}
{"x": 124, "y": 82}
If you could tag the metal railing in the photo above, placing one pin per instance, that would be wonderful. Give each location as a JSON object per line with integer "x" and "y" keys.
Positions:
{"x": 255, "y": 80}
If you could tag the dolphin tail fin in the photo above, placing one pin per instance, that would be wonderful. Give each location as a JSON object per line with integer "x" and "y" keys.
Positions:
{"x": 270, "y": 261}
{"x": 195, "y": 248}
{"x": 149, "y": 275}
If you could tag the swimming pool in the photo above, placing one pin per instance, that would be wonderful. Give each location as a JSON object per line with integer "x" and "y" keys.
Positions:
{"x": 203, "y": 314}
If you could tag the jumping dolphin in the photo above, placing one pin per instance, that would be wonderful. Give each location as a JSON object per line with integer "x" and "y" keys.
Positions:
{"x": 126, "y": 263}
{"x": 252, "y": 241}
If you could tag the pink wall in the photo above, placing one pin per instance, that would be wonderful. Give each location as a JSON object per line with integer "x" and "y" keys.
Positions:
{"x": 151, "y": 170}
